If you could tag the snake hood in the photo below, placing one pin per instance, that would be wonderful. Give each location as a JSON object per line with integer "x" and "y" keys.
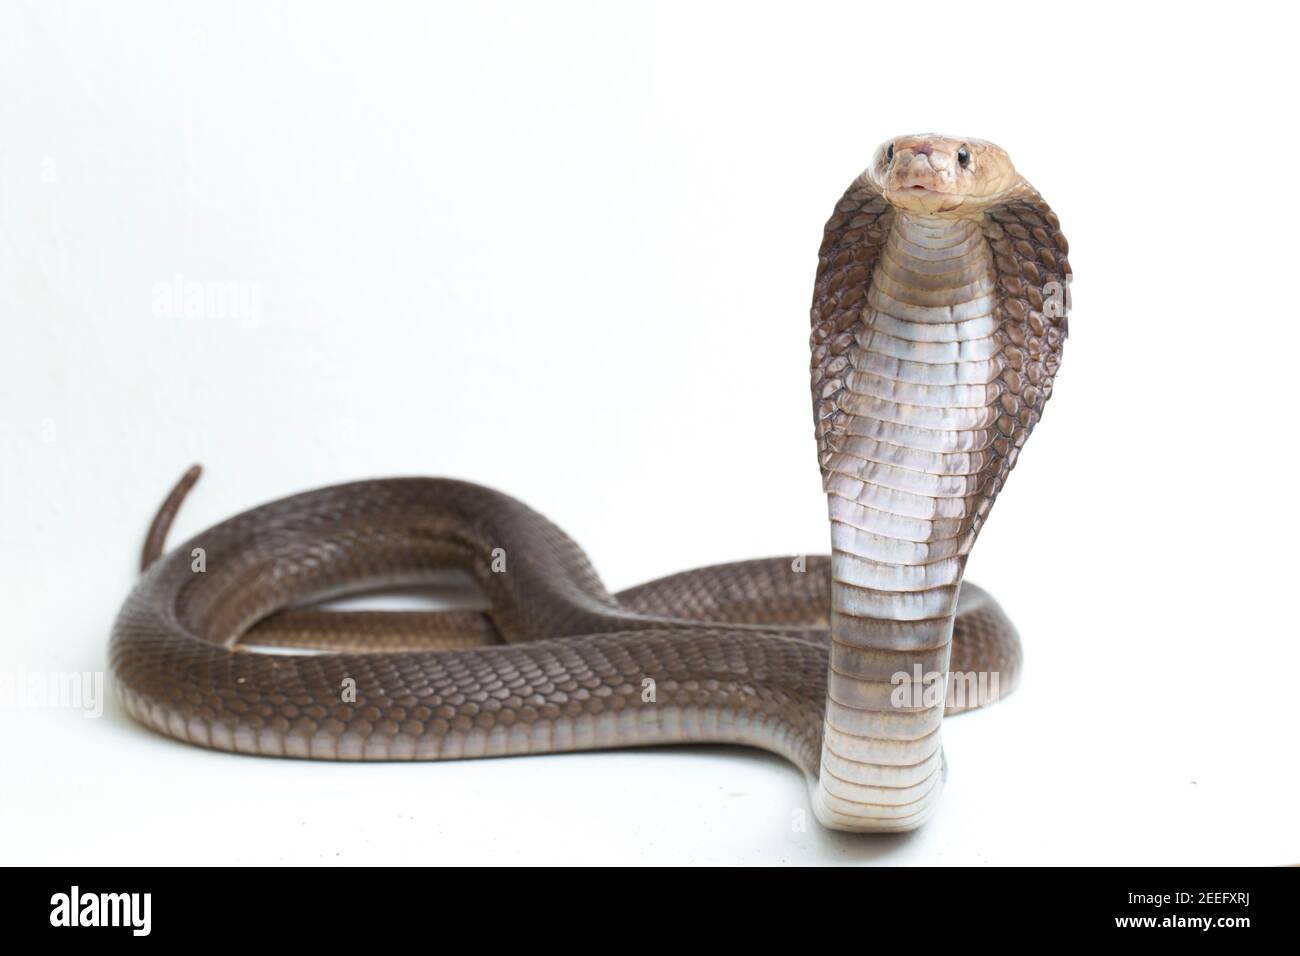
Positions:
{"x": 1028, "y": 293}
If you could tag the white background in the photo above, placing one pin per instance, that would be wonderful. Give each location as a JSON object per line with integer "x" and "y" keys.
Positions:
{"x": 568, "y": 252}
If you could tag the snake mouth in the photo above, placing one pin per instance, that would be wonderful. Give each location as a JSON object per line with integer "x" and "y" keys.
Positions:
{"x": 915, "y": 188}
{"x": 918, "y": 191}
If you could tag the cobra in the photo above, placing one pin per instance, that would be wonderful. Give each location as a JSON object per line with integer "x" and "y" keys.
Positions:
{"x": 937, "y": 326}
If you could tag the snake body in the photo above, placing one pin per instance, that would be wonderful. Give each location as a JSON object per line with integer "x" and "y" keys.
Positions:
{"x": 937, "y": 329}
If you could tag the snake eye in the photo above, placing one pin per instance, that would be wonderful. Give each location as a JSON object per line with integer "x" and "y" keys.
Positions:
{"x": 963, "y": 157}
{"x": 889, "y": 154}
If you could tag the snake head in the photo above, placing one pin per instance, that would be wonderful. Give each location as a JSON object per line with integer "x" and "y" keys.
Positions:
{"x": 942, "y": 175}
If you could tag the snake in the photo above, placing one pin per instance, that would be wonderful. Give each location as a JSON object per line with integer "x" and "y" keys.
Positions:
{"x": 939, "y": 312}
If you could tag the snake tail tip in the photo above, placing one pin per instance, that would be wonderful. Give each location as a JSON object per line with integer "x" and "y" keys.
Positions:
{"x": 156, "y": 537}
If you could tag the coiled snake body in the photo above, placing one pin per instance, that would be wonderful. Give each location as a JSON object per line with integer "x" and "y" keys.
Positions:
{"x": 937, "y": 323}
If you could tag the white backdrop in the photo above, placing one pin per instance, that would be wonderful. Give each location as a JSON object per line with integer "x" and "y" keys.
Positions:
{"x": 567, "y": 251}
